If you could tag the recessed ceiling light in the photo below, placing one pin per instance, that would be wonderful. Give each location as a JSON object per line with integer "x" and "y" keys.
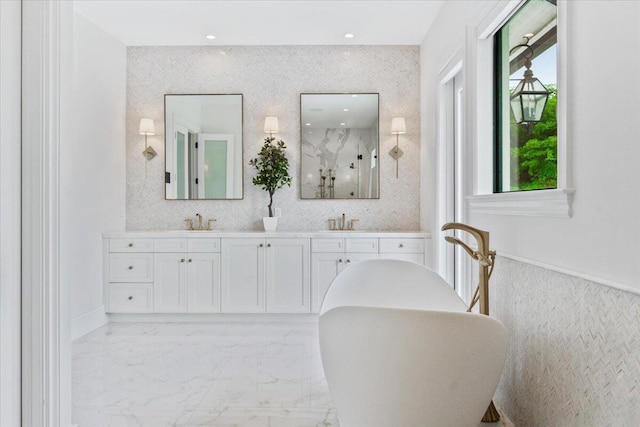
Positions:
{"x": 342, "y": 124}
{"x": 211, "y": 37}
{"x": 346, "y": 109}
{"x": 308, "y": 124}
{"x": 354, "y": 96}
{"x": 349, "y": 36}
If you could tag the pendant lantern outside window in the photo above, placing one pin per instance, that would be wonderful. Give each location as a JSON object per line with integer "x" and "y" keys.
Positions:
{"x": 530, "y": 96}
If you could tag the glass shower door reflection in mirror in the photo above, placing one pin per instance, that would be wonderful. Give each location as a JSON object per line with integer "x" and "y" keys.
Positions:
{"x": 339, "y": 146}
{"x": 203, "y": 146}
{"x": 215, "y": 166}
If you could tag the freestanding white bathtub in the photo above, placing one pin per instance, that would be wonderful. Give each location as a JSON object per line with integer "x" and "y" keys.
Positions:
{"x": 400, "y": 350}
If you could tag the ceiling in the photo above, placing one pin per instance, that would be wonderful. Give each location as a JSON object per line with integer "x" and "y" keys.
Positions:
{"x": 262, "y": 22}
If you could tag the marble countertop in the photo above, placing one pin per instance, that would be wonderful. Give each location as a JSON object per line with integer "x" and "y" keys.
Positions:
{"x": 263, "y": 234}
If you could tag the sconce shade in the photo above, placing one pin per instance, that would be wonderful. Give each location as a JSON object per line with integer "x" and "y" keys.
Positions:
{"x": 271, "y": 125}
{"x": 147, "y": 127}
{"x": 398, "y": 126}
{"x": 529, "y": 99}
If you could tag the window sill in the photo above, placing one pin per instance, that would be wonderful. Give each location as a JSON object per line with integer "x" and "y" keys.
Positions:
{"x": 557, "y": 203}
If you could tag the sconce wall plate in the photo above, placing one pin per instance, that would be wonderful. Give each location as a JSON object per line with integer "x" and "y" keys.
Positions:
{"x": 396, "y": 153}
{"x": 149, "y": 153}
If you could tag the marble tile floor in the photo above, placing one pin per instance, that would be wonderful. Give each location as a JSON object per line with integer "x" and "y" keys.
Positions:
{"x": 201, "y": 374}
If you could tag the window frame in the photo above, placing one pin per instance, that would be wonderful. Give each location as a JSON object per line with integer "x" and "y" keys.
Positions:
{"x": 556, "y": 202}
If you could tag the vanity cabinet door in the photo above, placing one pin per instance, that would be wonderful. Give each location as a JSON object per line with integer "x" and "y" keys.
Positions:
{"x": 287, "y": 276}
{"x": 170, "y": 287}
{"x": 203, "y": 282}
{"x": 351, "y": 258}
{"x": 243, "y": 268}
{"x": 324, "y": 268}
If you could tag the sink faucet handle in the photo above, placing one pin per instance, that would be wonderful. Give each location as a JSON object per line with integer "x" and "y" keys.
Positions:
{"x": 352, "y": 224}
{"x": 209, "y": 223}
{"x": 332, "y": 224}
{"x": 189, "y": 222}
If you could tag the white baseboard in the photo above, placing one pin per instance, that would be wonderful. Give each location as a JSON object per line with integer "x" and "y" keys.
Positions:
{"x": 87, "y": 322}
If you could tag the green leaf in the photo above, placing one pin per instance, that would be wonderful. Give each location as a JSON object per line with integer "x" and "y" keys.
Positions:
{"x": 272, "y": 168}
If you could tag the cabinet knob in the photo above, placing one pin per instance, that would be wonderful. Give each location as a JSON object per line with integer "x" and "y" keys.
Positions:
{"x": 268, "y": 245}
{"x": 348, "y": 260}
{"x": 131, "y": 267}
{"x": 401, "y": 245}
{"x": 130, "y": 297}
{"x": 260, "y": 245}
{"x": 189, "y": 259}
{"x": 130, "y": 245}
{"x": 340, "y": 260}
{"x": 182, "y": 260}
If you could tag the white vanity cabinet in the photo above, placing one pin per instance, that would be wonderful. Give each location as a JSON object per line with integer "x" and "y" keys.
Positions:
{"x": 187, "y": 282}
{"x": 405, "y": 249}
{"x": 287, "y": 273}
{"x": 243, "y": 272}
{"x": 331, "y": 256}
{"x": 243, "y": 275}
{"x": 128, "y": 275}
{"x": 265, "y": 275}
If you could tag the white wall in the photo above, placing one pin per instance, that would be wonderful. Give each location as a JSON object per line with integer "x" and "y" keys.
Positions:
{"x": 600, "y": 240}
{"x": 92, "y": 168}
{"x": 10, "y": 136}
{"x": 271, "y": 79}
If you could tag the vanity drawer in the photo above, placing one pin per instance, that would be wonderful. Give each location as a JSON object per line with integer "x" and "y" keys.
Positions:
{"x": 362, "y": 245}
{"x": 327, "y": 245}
{"x": 418, "y": 258}
{"x": 130, "y": 245}
{"x": 130, "y": 267}
{"x": 130, "y": 298}
{"x": 400, "y": 246}
{"x": 203, "y": 245}
{"x": 170, "y": 245}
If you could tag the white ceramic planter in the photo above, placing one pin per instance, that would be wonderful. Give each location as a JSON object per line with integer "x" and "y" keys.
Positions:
{"x": 270, "y": 223}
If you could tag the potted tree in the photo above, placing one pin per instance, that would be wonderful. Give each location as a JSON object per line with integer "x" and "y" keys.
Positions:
{"x": 273, "y": 173}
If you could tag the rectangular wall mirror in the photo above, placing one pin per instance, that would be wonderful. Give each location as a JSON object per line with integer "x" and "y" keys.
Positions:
{"x": 203, "y": 147}
{"x": 339, "y": 146}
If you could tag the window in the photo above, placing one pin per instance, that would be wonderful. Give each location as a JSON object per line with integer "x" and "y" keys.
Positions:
{"x": 525, "y": 64}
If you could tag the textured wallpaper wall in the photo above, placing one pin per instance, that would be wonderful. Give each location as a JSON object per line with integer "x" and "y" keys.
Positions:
{"x": 574, "y": 357}
{"x": 271, "y": 79}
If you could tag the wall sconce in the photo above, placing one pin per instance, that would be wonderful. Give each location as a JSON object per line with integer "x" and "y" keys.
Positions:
{"x": 271, "y": 125}
{"x": 398, "y": 127}
{"x": 530, "y": 96}
{"x": 147, "y": 128}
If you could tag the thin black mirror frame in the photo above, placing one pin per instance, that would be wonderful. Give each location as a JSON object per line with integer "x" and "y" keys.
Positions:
{"x": 241, "y": 142}
{"x": 379, "y": 157}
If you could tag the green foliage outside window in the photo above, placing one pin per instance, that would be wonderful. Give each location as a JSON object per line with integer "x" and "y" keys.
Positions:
{"x": 534, "y": 160}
